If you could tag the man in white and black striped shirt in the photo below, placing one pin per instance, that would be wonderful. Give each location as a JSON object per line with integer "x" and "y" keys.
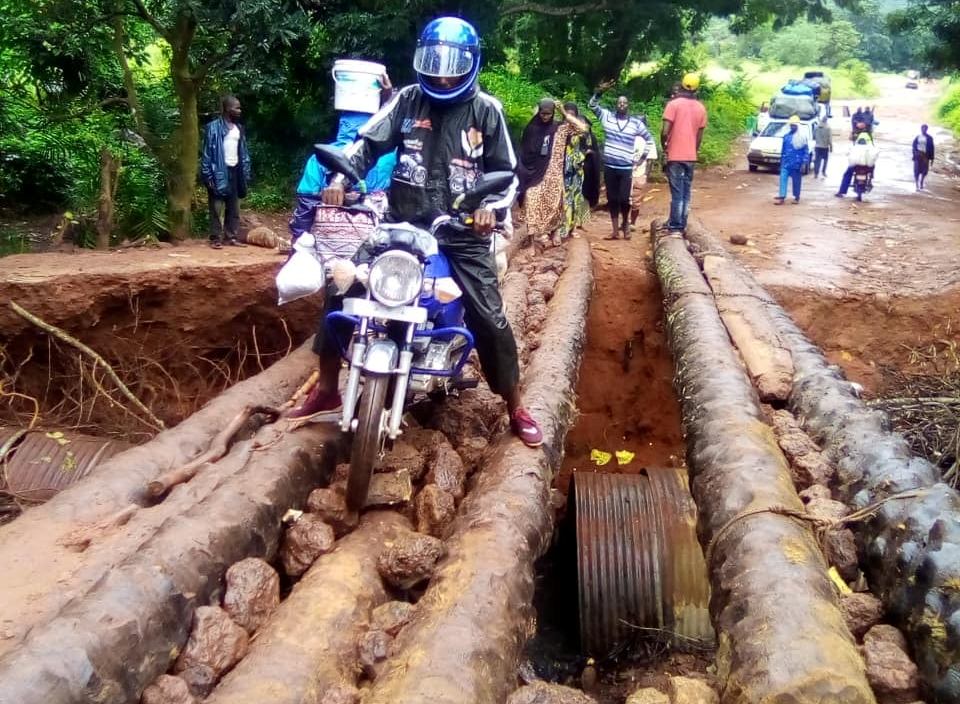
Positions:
{"x": 621, "y": 131}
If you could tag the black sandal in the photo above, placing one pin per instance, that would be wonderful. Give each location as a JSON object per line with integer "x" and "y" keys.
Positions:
{"x": 216, "y": 244}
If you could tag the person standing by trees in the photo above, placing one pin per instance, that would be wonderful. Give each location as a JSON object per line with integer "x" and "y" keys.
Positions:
{"x": 794, "y": 153}
{"x": 824, "y": 145}
{"x": 922, "y": 156}
{"x": 684, "y": 120}
{"x": 621, "y": 131}
{"x": 225, "y": 169}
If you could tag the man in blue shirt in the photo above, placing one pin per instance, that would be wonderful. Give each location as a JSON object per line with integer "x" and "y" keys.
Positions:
{"x": 621, "y": 131}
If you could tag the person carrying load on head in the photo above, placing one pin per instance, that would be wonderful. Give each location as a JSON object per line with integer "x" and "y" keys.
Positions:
{"x": 315, "y": 177}
{"x": 448, "y": 133}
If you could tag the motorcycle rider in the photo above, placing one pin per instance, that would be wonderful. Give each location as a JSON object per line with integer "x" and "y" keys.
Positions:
{"x": 862, "y": 137}
{"x": 447, "y": 133}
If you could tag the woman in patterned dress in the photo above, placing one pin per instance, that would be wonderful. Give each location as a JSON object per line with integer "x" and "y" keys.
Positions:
{"x": 543, "y": 150}
{"x": 576, "y": 210}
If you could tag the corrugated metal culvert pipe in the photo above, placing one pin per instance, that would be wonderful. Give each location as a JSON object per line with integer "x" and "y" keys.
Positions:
{"x": 640, "y": 570}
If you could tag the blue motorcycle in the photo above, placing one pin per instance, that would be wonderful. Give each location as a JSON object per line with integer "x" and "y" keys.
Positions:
{"x": 407, "y": 331}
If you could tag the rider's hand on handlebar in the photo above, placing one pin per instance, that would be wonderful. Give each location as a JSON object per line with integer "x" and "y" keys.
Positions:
{"x": 333, "y": 194}
{"x": 484, "y": 221}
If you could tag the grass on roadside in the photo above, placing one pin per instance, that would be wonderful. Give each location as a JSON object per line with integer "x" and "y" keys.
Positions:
{"x": 948, "y": 110}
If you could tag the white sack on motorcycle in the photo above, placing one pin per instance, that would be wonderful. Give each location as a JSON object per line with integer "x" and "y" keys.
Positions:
{"x": 301, "y": 276}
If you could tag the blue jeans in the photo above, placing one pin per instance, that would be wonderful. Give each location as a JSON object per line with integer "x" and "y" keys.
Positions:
{"x": 680, "y": 177}
{"x": 793, "y": 175}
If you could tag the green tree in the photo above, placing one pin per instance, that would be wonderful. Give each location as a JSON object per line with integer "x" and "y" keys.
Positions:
{"x": 940, "y": 21}
{"x": 799, "y": 43}
{"x": 841, "y": 42}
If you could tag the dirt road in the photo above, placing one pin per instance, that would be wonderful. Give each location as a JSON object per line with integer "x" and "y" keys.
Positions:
{"x": 867, "y": 281}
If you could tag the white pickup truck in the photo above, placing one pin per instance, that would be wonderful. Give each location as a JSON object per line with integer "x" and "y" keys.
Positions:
{"x": 765, "y": 147}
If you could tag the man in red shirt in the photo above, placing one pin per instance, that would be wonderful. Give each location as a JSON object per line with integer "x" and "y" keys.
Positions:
{"x": 684, "y": 120}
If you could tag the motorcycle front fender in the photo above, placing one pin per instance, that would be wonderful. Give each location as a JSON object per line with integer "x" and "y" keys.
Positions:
{"x": 381, "y": 357}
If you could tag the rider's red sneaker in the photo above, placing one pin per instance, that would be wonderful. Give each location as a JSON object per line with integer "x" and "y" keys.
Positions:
{"x": 317, "y": 401}
{"x": 526, "y": 428}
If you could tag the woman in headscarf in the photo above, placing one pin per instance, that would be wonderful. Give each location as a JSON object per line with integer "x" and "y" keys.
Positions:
{"x": 543, "y": 149}
{"x": 576, "y": 210}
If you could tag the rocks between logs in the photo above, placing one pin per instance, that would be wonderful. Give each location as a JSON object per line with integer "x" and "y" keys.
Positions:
{"x": 780, "y": 630}
{"x": 114, "y": 640}
{"x": 909, "y": 548}
{"x": 35, "y": 590}
{"x": 307, "y": 653}
{"x": 462, "y": 645}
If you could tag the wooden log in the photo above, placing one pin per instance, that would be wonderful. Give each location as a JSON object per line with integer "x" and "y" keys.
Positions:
{"x": 910, "y": 548}
{"x": 310, "y": 643}
{"x": 767, "y": 359}
{"x": 112, "y": 641}
{"x": 780, "y": 631}
{"x": 463, "y": 645}
{"x": 41, "y": 561}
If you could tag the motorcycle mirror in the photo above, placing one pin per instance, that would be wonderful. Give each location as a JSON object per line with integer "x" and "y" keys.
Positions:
{"x": 488, "y": 183}
{"x": 332, "y": 159}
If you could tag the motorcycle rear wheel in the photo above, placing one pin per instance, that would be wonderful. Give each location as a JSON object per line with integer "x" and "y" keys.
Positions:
{"x": 367, "y": 439}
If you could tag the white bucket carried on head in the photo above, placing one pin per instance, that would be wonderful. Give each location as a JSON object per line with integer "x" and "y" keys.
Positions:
{"x": 357, "y": 85}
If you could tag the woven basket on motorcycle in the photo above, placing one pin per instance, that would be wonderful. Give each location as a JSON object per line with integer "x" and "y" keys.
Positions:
{"x": 340, "y": 230}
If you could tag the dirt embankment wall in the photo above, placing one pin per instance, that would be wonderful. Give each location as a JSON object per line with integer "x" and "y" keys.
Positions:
{"x": 178, "y": 325}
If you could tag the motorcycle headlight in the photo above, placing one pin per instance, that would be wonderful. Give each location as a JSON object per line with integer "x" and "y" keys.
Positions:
{"x": 396, "y": 278}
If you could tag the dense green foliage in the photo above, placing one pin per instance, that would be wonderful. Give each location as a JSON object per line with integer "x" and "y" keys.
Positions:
{"x": 138, "y": 78}
{"x": 940, "y": 21}
{"x": 949, "y": 108}
{"x": 867, "y": 32}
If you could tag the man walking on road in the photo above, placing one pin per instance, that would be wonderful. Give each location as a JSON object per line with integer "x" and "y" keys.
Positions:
{"x": 824, "y": 145}
{"x": 684, "y": 120}
{"x": 794, "y": 154}
{"x": 922, "y": 156}
{"x": 621, "y": 131}
{"x": 225, "y": 170}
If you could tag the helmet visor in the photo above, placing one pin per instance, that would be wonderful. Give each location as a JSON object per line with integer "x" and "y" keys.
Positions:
{"x": 443, "y": 61}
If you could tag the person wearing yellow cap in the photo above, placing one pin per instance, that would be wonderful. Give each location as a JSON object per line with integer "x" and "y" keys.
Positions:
{"x": 684, "y": 120}
{"x": 794, "y": 154}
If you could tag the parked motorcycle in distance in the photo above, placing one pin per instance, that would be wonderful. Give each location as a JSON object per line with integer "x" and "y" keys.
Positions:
{"x": 408, "y": 336}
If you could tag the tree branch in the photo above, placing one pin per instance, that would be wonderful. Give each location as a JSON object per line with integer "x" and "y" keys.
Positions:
{"x": 200, "y": 74}
{"x": 148, "y": 17}
{"x": 554, "y": 10}
{"x": 133, "y": 97}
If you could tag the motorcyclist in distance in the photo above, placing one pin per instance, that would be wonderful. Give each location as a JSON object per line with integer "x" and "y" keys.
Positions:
{"x": 447, "y": 133}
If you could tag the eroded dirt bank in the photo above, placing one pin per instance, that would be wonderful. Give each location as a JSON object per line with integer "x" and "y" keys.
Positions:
{"x": 178, "y": 324}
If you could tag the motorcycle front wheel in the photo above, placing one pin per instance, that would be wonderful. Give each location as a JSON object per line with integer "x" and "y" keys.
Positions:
{"x": 367, "y": 439}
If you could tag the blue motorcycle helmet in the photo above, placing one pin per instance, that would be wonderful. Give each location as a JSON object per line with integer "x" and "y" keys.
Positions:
{"x": 447, "y": 59}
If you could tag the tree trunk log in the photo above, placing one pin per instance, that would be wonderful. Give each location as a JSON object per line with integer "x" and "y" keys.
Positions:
{"x": 310, "y": 643}
{"x": 42, "y": 572}
{"x": 109, "y": 643}
{"x": 780, "y": 632}
{"x": 768, "y": 361}
{"x": 184, "y": 145}
{"x": 108, "y": 175}
{"x": 464, "y": 643}
{"x": 909, "y": 550}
